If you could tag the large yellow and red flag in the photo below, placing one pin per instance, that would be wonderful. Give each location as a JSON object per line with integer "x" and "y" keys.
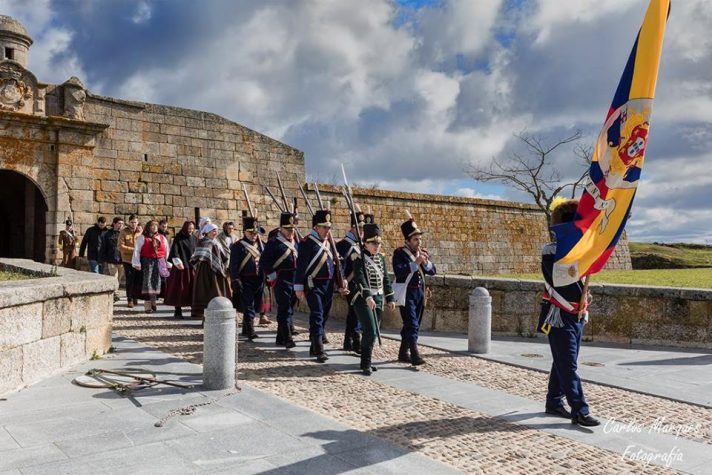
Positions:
{"x": 584, "y": 245}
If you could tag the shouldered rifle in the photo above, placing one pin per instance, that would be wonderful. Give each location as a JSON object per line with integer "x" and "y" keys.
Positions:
{"x": 348, "y": 194}
{"x": 306, "y": 200}
{"x": 260, "y": 246}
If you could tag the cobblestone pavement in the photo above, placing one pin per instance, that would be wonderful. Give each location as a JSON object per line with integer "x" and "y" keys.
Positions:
{"x": 465, "y": 439}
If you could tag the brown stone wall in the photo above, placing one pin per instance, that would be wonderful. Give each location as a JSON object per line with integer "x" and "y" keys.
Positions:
{"x": 163, "y": 162}
{"x": 465, "y": 236}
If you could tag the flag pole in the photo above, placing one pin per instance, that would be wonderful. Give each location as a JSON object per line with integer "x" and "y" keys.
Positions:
{"x": 584, "y": 297}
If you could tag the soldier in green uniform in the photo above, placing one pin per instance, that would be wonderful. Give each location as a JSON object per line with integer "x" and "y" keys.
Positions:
{"x": 373, "y": 288}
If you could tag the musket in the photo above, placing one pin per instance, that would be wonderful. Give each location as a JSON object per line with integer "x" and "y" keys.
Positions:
{"x": 281, "y": 191}
{"x": 279, "y": 206}
{"x": 260, "y": 246}
{"x": 306, "y": 200}
{"x": 348, "y": 194}
{"x": 318, "y": 196}
{"x": 247, "y": 198}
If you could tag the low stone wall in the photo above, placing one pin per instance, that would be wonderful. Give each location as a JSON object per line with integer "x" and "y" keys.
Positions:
{"x": 619, "y": 313}
{"x": 52, "y": 322}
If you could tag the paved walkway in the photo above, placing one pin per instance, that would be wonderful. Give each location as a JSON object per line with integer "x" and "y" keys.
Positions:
{"x": 57, "y": 427}
{"x": 456, "y": 414}
{"x": 680, "y": 374}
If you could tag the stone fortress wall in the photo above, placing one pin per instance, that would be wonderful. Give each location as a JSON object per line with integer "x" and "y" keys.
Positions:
{"x": 465, "y": 236}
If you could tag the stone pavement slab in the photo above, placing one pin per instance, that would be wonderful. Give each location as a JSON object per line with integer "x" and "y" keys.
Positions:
{"x": 611, "y": 435}
{"x": 57, "y": 427}
{"x": 674, "y": 373}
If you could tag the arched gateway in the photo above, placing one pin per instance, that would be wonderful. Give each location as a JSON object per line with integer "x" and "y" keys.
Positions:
{"x": 23, "y": 214}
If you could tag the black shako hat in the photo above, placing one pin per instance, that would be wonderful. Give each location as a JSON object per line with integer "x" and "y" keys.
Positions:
{"x": 360, "y": 217}
{"x": 250, "y": 223}
{"x": 287, "y": 220}
{"x": 369, "y": 218}
{"x": 410, "y": 229}
{"x": 322, "y": 217}
{"x": 371, "y": 232}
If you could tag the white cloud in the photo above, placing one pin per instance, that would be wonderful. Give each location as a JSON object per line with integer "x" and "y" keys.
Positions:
{"x": 142, "y": 14}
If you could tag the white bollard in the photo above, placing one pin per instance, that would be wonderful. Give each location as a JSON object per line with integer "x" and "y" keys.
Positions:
{"x": 479, "y": 330}
{"x": 219, "y": 345}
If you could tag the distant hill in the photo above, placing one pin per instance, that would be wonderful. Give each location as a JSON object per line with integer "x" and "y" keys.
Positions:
{"x": 646, "y": 255}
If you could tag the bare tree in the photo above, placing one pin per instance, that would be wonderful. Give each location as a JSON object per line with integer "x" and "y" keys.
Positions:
{"x": 532, "y": 172}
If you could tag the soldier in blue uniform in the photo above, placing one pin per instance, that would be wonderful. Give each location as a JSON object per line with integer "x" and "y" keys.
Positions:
{"x": 246, "y": 273}
{"x": 347, "y": 248}
{"x": 315, "y": 279}
{"x": 411, "y": 263}
{"x": 279, "y": 263}
{"x": 563, "y": 320}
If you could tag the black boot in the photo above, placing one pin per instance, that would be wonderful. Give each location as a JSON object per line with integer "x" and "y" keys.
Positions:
{"x": 319, "y": 352}
{"x": 366, "y": 363}
{"x": 248, "y": 328}
{"x": 415, "y": 358}
{"x": 288, "y": 340}
{"x": 403, "y": 355}
{"x": 178, "y": 313}
{"x": 357, "y": 343}
{"x": 348, "y": 343}
{"x": 280, "y": 341}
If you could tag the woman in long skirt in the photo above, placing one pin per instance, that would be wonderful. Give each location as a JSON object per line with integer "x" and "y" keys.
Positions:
{"x": 179, "y": 287}
{"x": 210, "y": 264}
{"x": 150, "y": 258}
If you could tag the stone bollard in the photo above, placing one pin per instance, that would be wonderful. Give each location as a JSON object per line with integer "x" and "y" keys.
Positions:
{"x": 479, "y": 331}
{"x": 219, "y": 345}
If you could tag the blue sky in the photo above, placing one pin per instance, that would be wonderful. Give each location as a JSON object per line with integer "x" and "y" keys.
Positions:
{"x": 406, "y": 93}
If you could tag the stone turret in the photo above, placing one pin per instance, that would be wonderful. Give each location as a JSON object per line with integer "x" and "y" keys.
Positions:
{"x": 14, "y": 40}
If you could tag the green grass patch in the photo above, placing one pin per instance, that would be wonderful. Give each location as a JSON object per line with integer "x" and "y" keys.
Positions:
{"x": 5, "y": 276}
{"x": 647, "y": 255}
{"x": 689, "y": 278}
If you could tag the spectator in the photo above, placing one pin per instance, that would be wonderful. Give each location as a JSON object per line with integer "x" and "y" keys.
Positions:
{"x": 149, "y": 257}
{"x": 210, "y": 271}
{"x": 91, "y": 243}
{"x": 179, "y": 288}
{"x": 127, "y": 243}
{"x": 110, "y": 257}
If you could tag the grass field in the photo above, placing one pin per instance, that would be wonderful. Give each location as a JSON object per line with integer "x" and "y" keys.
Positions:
{"x": 669, "y": 256}
{"x": 4, "y": 276}
{"x": 690, "y": 278}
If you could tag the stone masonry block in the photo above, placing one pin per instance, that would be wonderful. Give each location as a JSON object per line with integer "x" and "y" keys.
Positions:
{"x": 98, "y": 340}
{"x": 56, "y": 318}
{"x": 72, "y": 348}
{"x": 20, "y": 325}
{"x": 40, "y": 359}
{"x": 10, "y": 370}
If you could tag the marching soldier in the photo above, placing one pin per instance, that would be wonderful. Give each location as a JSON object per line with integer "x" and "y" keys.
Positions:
{"x": 247, "y": 276}
{"x": 562, "y": 318}
{"x": 411, "y": 263}
{"x": 372, "y": 287}
{"x": 316, "y": 274}
{"x": 279, "y": 263}
{"x": 347, "y": 248}
{"x": 68, "y": 243}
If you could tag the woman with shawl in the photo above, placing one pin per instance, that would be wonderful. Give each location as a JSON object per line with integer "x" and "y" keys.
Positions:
{"x": 210, "y": 263}
{"x": 179, "y": 287}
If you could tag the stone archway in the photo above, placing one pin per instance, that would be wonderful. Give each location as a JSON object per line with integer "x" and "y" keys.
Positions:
{"x": 23, "y": 217}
